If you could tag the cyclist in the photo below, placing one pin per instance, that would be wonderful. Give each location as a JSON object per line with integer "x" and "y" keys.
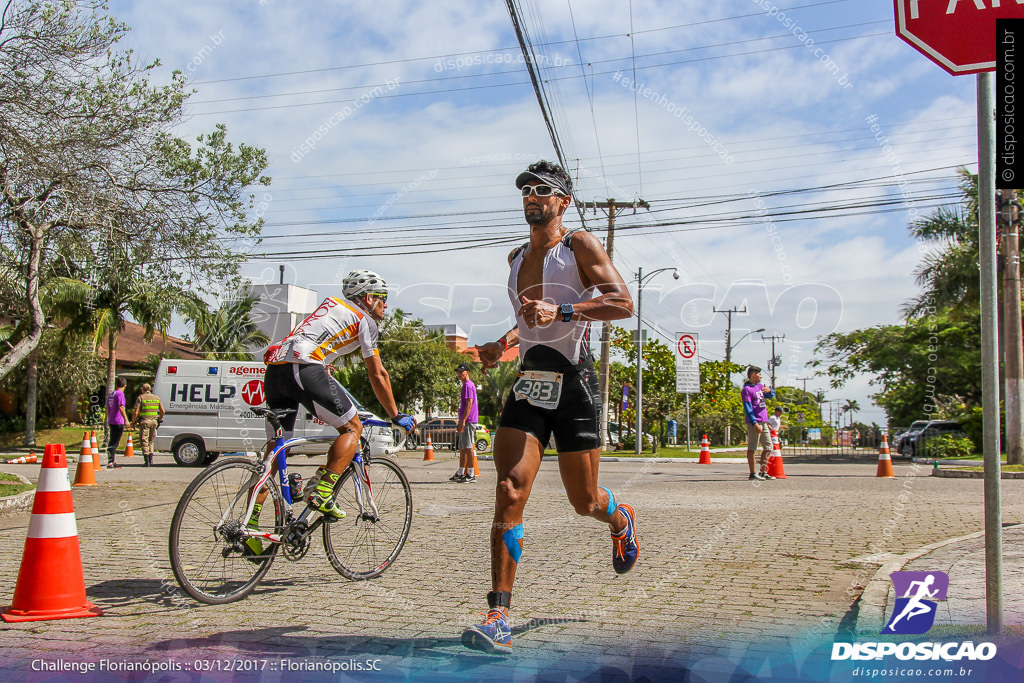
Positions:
{"x": 297, "y": 372}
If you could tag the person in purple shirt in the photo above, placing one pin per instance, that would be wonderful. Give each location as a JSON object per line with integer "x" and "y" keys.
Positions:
{"x": 116, "y": 419}
{"x": 755, "y": 411}
{"x": 469, "y": 415}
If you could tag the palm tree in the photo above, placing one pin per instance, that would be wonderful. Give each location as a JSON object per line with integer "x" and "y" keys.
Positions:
{"x": 949, "y": 276}
{"x": 851, "y": 406}
{"x": 229, "y": 333}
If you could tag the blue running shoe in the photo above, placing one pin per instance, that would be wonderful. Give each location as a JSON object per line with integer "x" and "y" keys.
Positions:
{"x": 624, "y": 546}
{"x": 493, "y": 636}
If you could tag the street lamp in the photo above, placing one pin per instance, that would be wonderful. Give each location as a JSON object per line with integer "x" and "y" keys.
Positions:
{"x": 728, "y": 351}
{"x": 640, "y": 279}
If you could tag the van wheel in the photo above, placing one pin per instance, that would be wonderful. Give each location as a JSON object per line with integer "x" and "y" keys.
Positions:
{"x": 481, "y": 445}
{"x": 190, "y": 452}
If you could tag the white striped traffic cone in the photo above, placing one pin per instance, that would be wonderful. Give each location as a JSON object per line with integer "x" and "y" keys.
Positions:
{"x": 94, "y": 447}
{"x": 51, "y": 584}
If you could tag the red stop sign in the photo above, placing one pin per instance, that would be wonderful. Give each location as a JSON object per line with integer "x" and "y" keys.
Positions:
{"x": 958, "y": 35}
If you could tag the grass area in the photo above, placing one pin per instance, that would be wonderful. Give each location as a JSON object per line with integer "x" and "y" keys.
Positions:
{"x": 66, "y": 435}
{"x": 974, "y": 456}
{"x": 1004, "y": 468}
{"x": 10, "y": 485}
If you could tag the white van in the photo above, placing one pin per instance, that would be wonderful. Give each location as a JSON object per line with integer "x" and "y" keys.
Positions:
{"x": 209, "y": 404}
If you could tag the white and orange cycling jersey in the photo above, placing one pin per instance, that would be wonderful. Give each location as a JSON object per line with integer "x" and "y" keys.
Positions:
{"x": 336, "y": 328}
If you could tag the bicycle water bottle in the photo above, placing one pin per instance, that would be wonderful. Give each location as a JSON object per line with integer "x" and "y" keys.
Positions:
{"x": 295, "y": 484}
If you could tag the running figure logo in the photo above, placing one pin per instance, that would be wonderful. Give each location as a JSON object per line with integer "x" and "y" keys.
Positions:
{"x": 916, "y": 596}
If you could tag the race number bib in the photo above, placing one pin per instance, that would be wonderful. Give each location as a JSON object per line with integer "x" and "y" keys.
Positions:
{"x": 540, "y": 388}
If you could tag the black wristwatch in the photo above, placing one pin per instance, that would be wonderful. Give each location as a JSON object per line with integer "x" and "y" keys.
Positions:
{"x": 566, "y": 310}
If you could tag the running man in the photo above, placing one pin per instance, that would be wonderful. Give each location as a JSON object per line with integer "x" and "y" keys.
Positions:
{"x": 297, "y": 372}
{"x": 914, "y": 606}
{"x": 559, "y": 282}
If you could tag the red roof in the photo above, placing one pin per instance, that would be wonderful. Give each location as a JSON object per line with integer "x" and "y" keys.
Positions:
{"x": 131, "y": 348}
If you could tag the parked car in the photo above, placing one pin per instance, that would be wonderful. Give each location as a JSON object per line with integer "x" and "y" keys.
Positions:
{"x": 441, "y": 431}
{"x": 913, "y": 441}
{"x": 898, "y": 438}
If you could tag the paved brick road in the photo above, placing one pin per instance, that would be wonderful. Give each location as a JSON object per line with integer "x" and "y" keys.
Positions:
{"x": 724, "y": 562}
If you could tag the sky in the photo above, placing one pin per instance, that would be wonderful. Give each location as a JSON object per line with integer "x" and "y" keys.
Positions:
{"x": 783, "y": 148}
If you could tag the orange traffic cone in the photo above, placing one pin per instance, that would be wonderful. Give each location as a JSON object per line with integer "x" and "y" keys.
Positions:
{"x": 30, "y": 458}
{"x": 86, "y": 453}
{"x": 705, "y": 452}
{"x": 129, "y": 450}
{"x": 428, "y": 453}
{"x": 85, "y": 475}
{"x": 775, "y": 462}
{"x": 51, "y": 584}
{"x": 95, "y": 451}
{"x": 884, "y": 460}
{"x": 476, "y": 465}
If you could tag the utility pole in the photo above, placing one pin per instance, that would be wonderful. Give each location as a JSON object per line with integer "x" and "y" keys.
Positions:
{"x": 728, "y": 354}
{"x": 728, "y": 328}
{"x": 611, "y": 207}
{"x": 1013, "y": 344}
{"x": 773, "y": 338}
{"x": 804, "y": 380}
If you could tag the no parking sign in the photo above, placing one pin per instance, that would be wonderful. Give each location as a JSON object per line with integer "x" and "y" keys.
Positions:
{"x": 687, "y": 363}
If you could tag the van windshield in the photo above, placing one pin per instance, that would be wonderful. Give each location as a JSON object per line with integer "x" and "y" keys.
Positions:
{"x": 359, "y": 406}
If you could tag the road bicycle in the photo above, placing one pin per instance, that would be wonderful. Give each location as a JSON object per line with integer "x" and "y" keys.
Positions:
{"x": 210, "y": 542}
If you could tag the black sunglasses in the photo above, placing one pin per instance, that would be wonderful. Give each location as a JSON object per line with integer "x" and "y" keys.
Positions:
{"x": 542, "y": 191}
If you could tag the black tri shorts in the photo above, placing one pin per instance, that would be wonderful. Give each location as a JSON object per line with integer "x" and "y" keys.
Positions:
{"x": 576, "y": 422}
{"x": 289, "y": 384}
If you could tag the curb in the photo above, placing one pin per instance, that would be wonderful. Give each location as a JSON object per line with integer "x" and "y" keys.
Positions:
{"x": 18, "y": 501}
{"x": 961, "y": 474}
{"x": 875, "y": 598}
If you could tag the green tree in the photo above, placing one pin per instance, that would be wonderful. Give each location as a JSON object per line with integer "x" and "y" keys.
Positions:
{"x": 925, "y": 367}
{"x": 718, "y": 403}
{"x": 86, "y": 159}
{"x": 948, "y": 276}
{"x": 851, "y": 406}
{"x": 493, "y": 388}
{"x": 659, "y": 378}
{"x": 66, "y": 368}
{"x": 229, "y": 333}
{"x": 420, "y": 363}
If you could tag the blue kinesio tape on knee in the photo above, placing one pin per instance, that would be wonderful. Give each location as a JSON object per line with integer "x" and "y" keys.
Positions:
{"x": 511, "y": 538}
{"x": 611, "y": 503}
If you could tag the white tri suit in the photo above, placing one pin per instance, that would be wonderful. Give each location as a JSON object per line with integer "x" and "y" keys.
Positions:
{"x": 297, "y": 366}
{"x": 557, "y": 389}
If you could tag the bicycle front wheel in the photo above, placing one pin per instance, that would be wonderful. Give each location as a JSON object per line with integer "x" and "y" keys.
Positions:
{"x": 363, "y": 545}
{"x": 209, "y": 556}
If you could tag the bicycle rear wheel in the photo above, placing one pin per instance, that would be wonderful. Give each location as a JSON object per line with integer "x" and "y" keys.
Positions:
{"x": 362, "y": 546}
{"x": 208, "y": 556}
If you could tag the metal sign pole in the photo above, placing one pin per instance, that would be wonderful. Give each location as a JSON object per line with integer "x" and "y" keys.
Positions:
{"x": 989, "y": 353}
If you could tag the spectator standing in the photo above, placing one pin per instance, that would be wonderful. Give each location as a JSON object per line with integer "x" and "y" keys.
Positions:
{"x": 117, "y": 417}
{"x": 755, "y": 412}
{"x": 469, "y": 416}
{"x": 148, "y": 414}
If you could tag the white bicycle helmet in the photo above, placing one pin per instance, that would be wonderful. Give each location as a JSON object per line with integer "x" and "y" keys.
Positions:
{"x": 360, "y": 282}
